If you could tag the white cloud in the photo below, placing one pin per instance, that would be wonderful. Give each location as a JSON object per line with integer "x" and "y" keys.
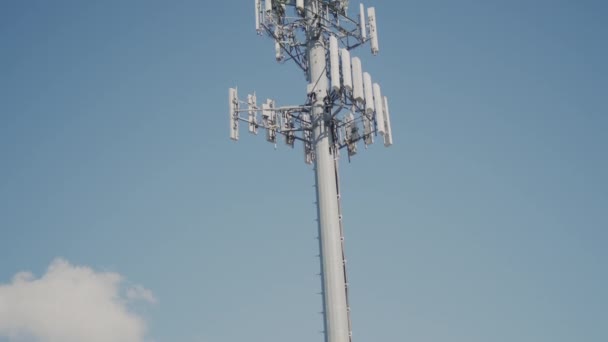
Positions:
{"x": 71, "y": 304}
{"x": 138, "y": 292}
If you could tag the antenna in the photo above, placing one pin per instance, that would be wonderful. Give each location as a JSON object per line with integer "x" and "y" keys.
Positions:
{"x": 358, "y": 95}
{"x": 373, "y": 30}
{"x": 334, "y": 63}
{"x": 362, "y": 21}
{"x": 369, "y": 93}
{"x": 289, "y": 128}
{"x": 379, "y": 107}
{"x": 257, "y": 16}
{"x": 347, "y": 76}
{"x": 233, "y": 103}
{"x": 309, "y": 152}
{"x": 341, "y": 109}
{"x": 368, "y": 131}
{"x": 269, "y": 117}
{"x": 352, "y": 134}
{"x": 278, "y": 51}
{"x": 253, "y": 120}
{"x": 388, "y": 136}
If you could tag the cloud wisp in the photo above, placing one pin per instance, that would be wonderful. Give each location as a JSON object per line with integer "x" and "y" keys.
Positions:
{"x": 71, "y": 304}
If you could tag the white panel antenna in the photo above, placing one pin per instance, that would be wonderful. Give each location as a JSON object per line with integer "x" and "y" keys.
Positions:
{"x": 288, "y": 129}
{"x": 379, "y": 105}
{"x": 338, "y": 137}
{"x": 347, "y": 76}
{"x": 277, "y": 44}
{"x": 369, "y": 93}
{"x": 373, "y": 30}
{"x": 352, "y": 134}
{"x": 278, "y": 51}
{"x": 334, "y": 63}
{"x": 388, "y": 137}
{"x": 268, "y": 6}
{"x": 362, "y": 21}
{"x": 306, "y": 123}
{"x": 344, "y": 5}
{"x": 358, "y": 94}
{"x": 269, "y": 118}
{"x": 265, "y": 114}
{"x": 233, "y": 102}
{"x": 300, "y": 6}
{"x": 368, "y": 129}
{"x": 253, "y": 120}
{"x": 273, "y": 122}
{"x": 257, "y": 16}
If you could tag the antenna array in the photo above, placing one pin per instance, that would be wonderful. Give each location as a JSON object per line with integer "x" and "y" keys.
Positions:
{"x": 357, "y": 104}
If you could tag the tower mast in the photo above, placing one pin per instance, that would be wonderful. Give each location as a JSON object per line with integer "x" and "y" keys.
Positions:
{"x": 330, "y": 236}
{"x": 340, "y": 99}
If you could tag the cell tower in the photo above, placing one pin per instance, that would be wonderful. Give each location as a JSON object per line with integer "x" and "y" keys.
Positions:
{"x": 342, "y": 108}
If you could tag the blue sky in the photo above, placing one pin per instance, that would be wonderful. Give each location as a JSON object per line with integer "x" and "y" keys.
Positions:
{"x": 486, "y": 221}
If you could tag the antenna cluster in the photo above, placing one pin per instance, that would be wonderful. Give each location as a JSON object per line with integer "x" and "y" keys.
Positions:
{"x": 356, "y": 109}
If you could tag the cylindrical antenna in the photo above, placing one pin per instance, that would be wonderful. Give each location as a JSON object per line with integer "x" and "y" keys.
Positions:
{"x": 257, "y": 16}
{"x": 379, "y": 112}
{"x": 268, "y": 4}
{"x": 233, "y": 102}
{"x": 362, "y": 21}
{"x": 347, "y": 76}
{"x": 388, "y": 137}
{"x": 334, "y": 63}
{"x": 369, "y": 93}
{"x": 357, "y": 80}
{"x": 373, "y": 30}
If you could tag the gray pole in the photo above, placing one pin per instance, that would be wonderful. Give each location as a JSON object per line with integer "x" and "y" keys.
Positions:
{"x": 336, "y": 321}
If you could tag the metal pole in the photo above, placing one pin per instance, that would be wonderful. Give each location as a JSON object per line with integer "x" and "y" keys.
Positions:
{"x": 330, "y": 240}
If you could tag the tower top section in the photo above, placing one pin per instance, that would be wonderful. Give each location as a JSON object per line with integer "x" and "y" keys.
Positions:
{"x": 342, "y": 96}
{"x": 292, "y": 23}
